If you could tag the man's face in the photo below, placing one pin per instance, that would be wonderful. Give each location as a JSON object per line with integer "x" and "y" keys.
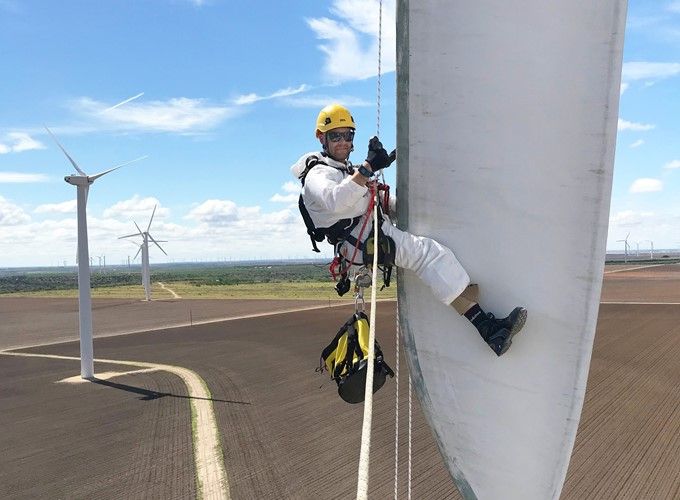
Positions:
{"x": 338, "y": 142}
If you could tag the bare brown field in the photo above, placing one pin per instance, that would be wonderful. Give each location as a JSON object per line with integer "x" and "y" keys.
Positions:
{"x": 284, "y": 431}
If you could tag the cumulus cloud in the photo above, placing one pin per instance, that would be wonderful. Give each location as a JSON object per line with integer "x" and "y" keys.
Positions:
{"x": 137, "y": 208}
{"x": 179, "y": 115}
{"x": 21, "y": 178}
{"x": 646, "y": 185}
{"x": 11, "y": 214}
{"x": 638, "y": 127}
{"x": 292, "y": 190}
{"x": 649, "y": 70}
{"x": 349, "y": 39}
{"x": 672, "y": 164}
{"x": 65, "y": 207}
{"x": 319, "y": 101}
{"x": 17, "y": 142}
{"x": 219, "y": 229}
{"x": 252, "y": 98}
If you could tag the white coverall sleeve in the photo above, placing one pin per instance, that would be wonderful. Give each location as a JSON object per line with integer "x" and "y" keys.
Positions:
{"x": 323, "y": 193}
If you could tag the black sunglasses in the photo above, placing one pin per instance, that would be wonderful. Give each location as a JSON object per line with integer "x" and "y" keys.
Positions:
{"x": 335, "y": 136}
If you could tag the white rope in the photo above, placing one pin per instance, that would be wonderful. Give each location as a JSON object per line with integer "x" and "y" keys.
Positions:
{"x": 396, "y": 409}
{"x": 409, "y": 437}
{"x": 362, "y": 487}
{"x": 364, "y": 456}
{"x": 377, "y": 127}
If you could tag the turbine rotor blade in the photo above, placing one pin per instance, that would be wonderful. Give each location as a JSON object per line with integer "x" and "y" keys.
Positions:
{"x": 128, "y": 236}
{"x": 140, "y": 249}
{"x": 140, "y": 231}
{"x": 156, "y": 243}
{"x": 151, "y": 219}
{"x": 124, "y": 102}
{"x": 75, "y": 165}
{"x": 94, "y": 177}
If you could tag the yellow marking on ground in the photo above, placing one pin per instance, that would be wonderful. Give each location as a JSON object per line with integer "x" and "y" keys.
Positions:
{"x": 174, "y": 295}
{"x": 644, "y": 303}
{"x": 633, "y": 268}
{"x": 77, "y": 379}
{"x": 211, "y": 475}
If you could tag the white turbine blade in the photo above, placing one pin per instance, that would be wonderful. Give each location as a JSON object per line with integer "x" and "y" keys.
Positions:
{"x": 124, "y": 102}
{"x": 75, "y": 165}
{"x": 97, "y": 176}
{"x": 140, "y": 231}
{"x": 151, "y": 237}
{"x": 128, "y": 236}
{"x": 151, "y": 219}
{"x": 140, "y": 249}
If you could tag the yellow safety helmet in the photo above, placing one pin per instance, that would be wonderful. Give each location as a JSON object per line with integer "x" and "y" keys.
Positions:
{"x": 334, "y": 116}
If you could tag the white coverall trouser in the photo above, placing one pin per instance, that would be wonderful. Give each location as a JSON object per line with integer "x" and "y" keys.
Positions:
{"x": 432, "y": 262}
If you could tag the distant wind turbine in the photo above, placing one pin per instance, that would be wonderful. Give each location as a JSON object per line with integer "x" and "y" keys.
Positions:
{"x": 651, "y": 251}
{"x": 626, "y": 246}
{"x": 124, "y": 102}
{"x": 82, "y": 182}
{"x": 144, "y": 249}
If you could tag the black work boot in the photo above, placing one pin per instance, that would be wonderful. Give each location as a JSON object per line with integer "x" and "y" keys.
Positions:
{"x": 498, "y": 333}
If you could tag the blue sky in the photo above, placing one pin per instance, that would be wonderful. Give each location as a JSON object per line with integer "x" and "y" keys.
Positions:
{"x": 230, "y": 91}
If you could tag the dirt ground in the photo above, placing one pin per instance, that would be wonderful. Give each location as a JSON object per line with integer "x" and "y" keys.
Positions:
{"x": 284, "y": 431}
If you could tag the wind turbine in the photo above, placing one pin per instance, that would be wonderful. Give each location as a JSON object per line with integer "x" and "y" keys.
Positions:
{"x": 651, "y": 251}
{"x": 82, "y": 181}
{"x": 626, "y": 246}
{"x": 144, "y": 248}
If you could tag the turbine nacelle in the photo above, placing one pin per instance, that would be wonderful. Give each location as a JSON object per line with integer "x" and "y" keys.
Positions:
{"x": 78, "y": 180}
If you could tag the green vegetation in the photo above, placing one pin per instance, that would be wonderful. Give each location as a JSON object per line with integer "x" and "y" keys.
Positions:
{"x": 271, "y": 281}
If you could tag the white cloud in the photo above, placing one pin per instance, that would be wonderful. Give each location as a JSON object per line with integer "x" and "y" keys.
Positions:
{"x": 674, "y": 7}
{"x": 213, "y": 230}
{"x": 639, "y": 127}
{"x": 252, "y": 98}
{"x": 350, "y": 39}
{"x": 11, "y": 214}
{"x": 181, "y": 115}
{"x": 319, "y": 101}
{"x": 137, "y": 208}
{"x": 293, "y": 190}
{"x": 637, "y": 143}
{"x": 288, "y": 198}
{"x": 646, "y": 185}
{"x": 65, "y": 207}
{"x": 291, "y": 187}
{"x": 649, "y": 70}
{"x": 672, "y": 164}
{"x": 19, "y": 142}
{"x": 624, "y": 86}
{"x": 21, "y": 178}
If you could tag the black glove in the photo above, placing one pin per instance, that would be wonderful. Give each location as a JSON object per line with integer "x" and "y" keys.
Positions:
{"x": 377, "y": 156}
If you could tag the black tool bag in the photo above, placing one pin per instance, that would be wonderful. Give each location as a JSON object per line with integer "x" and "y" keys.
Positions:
{"x": 345, "y": 358}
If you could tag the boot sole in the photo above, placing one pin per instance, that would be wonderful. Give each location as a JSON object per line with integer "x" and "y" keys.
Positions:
{"x": 518, "y": 324}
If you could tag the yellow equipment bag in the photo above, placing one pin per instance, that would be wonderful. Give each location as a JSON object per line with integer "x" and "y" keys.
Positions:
{"x": 345, "y": 359}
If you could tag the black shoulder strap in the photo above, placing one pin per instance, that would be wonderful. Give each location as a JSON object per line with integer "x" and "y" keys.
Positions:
{"x": 311, "y": 229}
{"x": 310, "y": 163}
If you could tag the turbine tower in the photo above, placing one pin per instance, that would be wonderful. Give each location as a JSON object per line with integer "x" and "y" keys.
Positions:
{"x": 626, "y": 246}
{"x": 144, "y": 249}
{"x": 82, "y": 181}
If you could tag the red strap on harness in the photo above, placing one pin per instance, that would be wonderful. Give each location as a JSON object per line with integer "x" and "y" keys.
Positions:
{"x": 337, "y": 261}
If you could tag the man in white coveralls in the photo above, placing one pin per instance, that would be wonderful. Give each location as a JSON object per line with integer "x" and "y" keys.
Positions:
{"x": 336, "y": 197}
